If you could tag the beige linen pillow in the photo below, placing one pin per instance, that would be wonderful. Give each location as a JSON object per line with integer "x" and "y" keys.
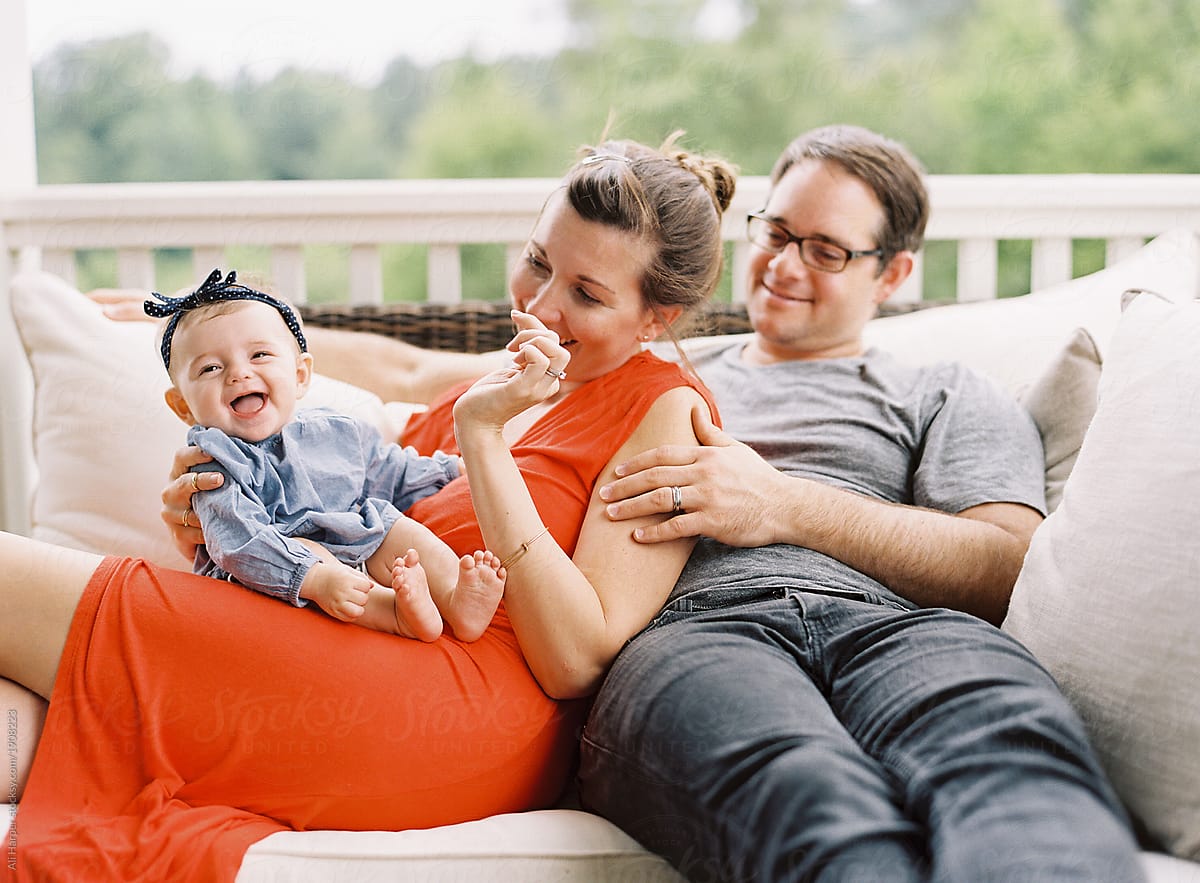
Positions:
{"x": 103, "y": 436}
{"x": 1109, "y": 596}
{"x": 1062, "y": 402}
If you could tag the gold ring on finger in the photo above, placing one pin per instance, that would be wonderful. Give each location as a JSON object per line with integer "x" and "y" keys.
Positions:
{"x": 185, "y": 520}
{"x": 195, "y": 481}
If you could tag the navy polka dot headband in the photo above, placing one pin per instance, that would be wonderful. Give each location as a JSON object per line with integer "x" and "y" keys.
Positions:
{"x": 214, "y": 290}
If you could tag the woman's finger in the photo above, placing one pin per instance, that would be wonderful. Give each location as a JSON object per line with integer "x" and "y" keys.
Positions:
{"x": 544, "y": 369}
{"x": 547, "y": 340}
{"x": 526, "y": 321}
{"x": 548, "y": 351}
{"x": 186, "y": 458}
{"x": 118, "y": 296}
{"x": 177, "y": 495}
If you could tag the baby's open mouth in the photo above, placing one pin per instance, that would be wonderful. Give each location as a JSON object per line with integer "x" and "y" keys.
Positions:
{"x": 249, "y": 404}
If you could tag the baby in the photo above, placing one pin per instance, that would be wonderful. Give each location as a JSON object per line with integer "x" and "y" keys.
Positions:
{"x": 309, "y": 497}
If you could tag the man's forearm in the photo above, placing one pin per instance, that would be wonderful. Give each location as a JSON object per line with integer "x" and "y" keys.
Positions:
{"x": 393, "y": 370}
{"x": 968, "y": 562}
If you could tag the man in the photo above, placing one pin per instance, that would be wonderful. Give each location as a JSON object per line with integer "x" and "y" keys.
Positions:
{"x": 821, "y": 697}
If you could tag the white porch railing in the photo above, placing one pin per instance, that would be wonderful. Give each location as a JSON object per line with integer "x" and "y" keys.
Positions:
{"x": 45, "y": 227}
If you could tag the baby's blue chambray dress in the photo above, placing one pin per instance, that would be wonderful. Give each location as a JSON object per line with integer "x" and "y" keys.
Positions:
{"x": 325, "y": 477}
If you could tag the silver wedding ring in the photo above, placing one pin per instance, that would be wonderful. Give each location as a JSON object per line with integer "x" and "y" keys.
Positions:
{"x": 187, "y": 513}
{"x": 676, "y": 499}
{"x": 557, "y": 375}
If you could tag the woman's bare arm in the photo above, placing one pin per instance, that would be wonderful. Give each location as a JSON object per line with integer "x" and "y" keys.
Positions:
{"x": 573, "y": 615}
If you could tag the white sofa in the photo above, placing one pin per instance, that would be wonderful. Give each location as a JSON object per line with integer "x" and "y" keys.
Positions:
{"x": 1117, "y": 626}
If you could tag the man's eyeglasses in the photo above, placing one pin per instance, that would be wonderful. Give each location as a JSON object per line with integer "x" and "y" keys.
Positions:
{"x": 820, "y": 254}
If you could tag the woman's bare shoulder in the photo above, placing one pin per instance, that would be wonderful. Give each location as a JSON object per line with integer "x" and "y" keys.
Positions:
{"x": 669, "y": 419}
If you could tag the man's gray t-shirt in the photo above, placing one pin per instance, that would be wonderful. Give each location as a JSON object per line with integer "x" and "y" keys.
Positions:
{"x": 939, "y": 437}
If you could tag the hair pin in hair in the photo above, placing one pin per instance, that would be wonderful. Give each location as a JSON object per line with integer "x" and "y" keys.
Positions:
{"x": 604, "y": 157}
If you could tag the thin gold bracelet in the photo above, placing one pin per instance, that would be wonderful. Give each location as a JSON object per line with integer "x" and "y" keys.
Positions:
{"x": 522, "y": 549}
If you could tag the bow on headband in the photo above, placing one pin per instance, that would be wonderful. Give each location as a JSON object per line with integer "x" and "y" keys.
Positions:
{"x": 214, "y": 290}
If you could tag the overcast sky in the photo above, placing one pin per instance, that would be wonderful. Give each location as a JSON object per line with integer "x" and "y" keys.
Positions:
{"x": 354, "y": 37}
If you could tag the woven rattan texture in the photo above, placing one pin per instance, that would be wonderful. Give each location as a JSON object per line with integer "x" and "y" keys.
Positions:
{"x": 480, "y": 326}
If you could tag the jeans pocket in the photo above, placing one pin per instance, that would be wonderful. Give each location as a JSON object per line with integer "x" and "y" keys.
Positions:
{"x": 866, "y": 597}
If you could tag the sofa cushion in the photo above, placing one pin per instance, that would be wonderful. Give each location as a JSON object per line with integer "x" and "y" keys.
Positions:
{"x": 103, "y": 436}
{"x": 542, "y": 845}
{"x": 546, "y": 845}
{"x": 1109, "y": 596}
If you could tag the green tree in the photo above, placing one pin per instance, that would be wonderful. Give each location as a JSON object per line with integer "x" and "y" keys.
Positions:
{"x": 398, "y": 100}
{"x": 481, "y": 122}
{"x": 600, "y": 24}
{"x": 992, "y": 94}
{"x": 108, "y": 110}
{"x": 310, "y": 124}
{"x": 1139, "y": 78}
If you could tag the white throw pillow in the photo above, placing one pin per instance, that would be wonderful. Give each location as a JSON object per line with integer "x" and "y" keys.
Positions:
{"x": 1014, "y": 339}
{"x": 1109, "y": 596}
{"x": 103, "y": 436}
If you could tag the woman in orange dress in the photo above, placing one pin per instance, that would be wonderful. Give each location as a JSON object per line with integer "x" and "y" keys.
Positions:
{"x": 190, "y": 718}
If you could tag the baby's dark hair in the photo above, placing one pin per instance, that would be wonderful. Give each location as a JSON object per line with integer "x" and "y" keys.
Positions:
{"x": 214, "y": 297}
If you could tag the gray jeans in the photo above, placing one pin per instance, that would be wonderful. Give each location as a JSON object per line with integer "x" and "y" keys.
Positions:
{"x": 804, "y": 736}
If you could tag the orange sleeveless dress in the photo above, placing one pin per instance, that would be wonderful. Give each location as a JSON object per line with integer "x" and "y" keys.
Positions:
{"x": 191, "y": 717}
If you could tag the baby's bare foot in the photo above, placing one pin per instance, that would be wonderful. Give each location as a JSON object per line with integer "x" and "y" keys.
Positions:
{"x": 416, "y": 614}
{"x": 476, "y": 595}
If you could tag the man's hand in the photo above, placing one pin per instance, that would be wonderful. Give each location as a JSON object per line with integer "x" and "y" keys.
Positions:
{"x": 725, "y": 490}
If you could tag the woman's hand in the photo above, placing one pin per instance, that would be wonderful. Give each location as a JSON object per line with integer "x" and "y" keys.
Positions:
{"x": 177, "y": 511}
{"x": 534, "y": 375}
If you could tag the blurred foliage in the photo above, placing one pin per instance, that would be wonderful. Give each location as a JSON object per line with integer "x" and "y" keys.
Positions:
{"x": 972, "y": 86}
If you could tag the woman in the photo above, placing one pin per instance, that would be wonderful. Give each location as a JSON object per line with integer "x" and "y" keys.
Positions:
{"x": 190, "y": 718}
